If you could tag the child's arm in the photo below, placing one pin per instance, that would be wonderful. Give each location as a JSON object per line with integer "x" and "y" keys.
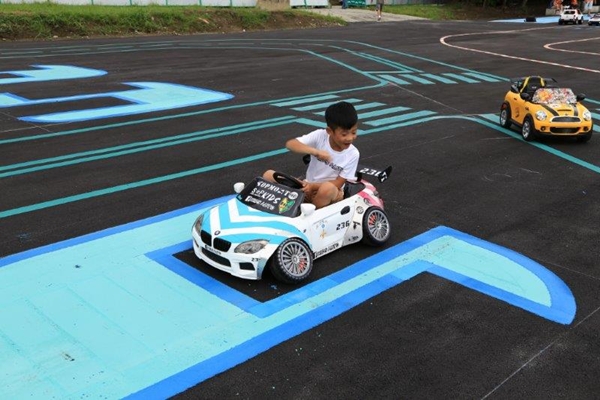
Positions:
{"x": 294, "y": 145}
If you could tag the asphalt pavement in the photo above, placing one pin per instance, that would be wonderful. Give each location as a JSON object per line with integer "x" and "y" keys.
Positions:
{"x": 110, "y": 148}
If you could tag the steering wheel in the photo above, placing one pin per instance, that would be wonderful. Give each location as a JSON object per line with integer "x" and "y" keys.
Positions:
{"x": 287, "y": 180}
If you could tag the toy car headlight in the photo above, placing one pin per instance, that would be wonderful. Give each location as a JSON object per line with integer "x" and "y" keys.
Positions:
{"x": 541, "y": 116}
{"x": 251, "y": 246}
{"x": 587, "y": 115}
{"x": 198, "y": 223}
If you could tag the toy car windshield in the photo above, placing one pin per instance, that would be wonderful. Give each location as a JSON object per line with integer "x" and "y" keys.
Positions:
{"x": 551, "y": 96}
{"x": 273, "y": 198}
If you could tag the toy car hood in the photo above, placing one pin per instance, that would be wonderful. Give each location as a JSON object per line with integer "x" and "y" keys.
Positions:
{"x": 235, "y": 222}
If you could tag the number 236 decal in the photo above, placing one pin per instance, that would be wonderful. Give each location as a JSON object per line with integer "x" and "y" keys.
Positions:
{"x": 342, "y": 225}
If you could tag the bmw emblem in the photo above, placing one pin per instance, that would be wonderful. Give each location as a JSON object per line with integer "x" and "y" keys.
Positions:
{"x": 217, "y": 233}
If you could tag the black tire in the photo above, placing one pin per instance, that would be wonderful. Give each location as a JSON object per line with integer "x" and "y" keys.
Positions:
{"x": 584, "y": 138}
{"x": 505, "y": 116}
{"x": 292, "y": 262}
{"x": 528, "y": 130}
{"x": 376, "y": 227}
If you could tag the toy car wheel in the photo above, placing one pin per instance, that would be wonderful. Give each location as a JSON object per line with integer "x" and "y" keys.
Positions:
{"x": 292, "y": 261}
{"x": 528, "y": 130}
{"x": 376, "y": 227}
{"x": 505, "y": 116}
{"x": 584, "y": 138}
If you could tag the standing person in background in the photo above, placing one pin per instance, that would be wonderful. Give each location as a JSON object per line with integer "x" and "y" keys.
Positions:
{"x": 587, "y": 7}
{"x": 379, "y": 8}
{"x": 558, "y": 6}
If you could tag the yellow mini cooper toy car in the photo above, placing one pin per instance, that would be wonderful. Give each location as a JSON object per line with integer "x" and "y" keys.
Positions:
{"x": 541, "y": 108}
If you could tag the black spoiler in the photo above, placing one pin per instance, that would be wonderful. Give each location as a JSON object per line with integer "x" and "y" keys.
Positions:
{"x": 381, "y": 174}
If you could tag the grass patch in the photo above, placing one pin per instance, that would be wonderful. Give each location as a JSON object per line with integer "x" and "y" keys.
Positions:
{"x": 51, "y": 21}
{"x": 465, "y": 11}
{"x": 48, "y": 20}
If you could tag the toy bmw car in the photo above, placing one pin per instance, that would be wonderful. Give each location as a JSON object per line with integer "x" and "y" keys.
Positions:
{"x": 570, "y": 16}
{"x": 267, "y": 225}
{"x": 594, "y": 19}
{"x": 539, "y": 108}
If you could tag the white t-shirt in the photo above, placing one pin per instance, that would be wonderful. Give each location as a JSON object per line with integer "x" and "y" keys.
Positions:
{"x": 343, "y": 163}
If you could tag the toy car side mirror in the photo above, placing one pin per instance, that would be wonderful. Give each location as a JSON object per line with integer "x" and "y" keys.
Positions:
{"x": 580, "y": 97}
{"x": 525, "y": 96}
{"x": 307, "y": 209}
{"x": 513, "y": 88}
{"x": 238, "y": 187}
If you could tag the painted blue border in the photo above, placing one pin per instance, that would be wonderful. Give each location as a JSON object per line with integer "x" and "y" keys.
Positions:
{"x": 562, "y": 307}
{"x": 110, "y": 231}
{"x": 562, "y": 310}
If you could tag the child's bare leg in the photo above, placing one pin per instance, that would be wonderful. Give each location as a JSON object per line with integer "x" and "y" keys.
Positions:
{"x": 326, "y": 195}
{"x": 268, "y": 175}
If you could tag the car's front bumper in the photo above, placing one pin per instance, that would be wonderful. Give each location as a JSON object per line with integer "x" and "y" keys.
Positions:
{"x": 563, "y": 128}
{"x": 246, "y": 266}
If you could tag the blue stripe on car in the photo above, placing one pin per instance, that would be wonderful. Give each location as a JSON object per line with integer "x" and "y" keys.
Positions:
{"x": 243, "y": 210}
{"x": 206, "y": 222}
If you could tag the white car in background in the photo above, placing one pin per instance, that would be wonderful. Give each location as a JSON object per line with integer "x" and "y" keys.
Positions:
{"x": 570, "y": 16}
{"x": 594, "y": 19}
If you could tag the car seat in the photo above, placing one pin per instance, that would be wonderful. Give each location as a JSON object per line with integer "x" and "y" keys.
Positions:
{"x": 533, "y": 84}
{"x": 352, "y": 188}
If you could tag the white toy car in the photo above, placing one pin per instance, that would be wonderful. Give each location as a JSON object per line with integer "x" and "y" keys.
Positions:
{"x": 594, "y": 19}
{"x": 267, "y": 225}
{"x": 570, "y": 16}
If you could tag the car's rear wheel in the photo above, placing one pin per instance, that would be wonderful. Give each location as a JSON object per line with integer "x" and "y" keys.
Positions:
{"x": 292, "y": 262}
{"x": 505, "y": 115}
{"x": 376, "y": 227}
{"x": 528, "y": 130}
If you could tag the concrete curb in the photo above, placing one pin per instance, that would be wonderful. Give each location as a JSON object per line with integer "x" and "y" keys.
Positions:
{"x": 360, "y": 15}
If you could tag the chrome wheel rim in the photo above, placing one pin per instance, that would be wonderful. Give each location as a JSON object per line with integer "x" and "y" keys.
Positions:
{"x": 503, "y": 117}
{"x": 295, "y": 259}
{"x": 378, "y": 225}
{"x": 526, "y": 129}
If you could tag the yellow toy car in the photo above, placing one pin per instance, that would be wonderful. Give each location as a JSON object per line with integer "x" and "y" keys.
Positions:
{"x": 540, "y": 108}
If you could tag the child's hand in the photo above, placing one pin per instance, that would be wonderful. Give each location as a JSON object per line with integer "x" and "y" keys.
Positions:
{"x": 307, "y": 187}
{"x": 323, "y": 155}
